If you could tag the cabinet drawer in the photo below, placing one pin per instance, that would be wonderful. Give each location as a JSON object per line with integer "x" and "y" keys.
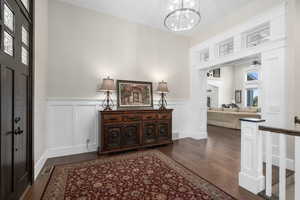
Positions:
{"x": 164, "y": 116}
{"x": 132, "y": 118}
{"x": 112, "y": 118}
{"x": 151, "y": 116}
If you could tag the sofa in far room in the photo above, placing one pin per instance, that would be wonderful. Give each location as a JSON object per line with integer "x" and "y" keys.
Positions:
{"x": 230, "y": 117}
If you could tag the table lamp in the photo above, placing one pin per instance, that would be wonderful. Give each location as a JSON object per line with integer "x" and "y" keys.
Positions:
{"x": 108, "y": 86}
{"x": 162, "y": 89}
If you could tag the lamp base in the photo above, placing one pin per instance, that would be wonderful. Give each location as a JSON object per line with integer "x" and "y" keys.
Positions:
{"x": 107, "y": 103}
{"x": 162, "y": 108}
{"x": 162, "y": 102}
{"x": 107, "y": 109}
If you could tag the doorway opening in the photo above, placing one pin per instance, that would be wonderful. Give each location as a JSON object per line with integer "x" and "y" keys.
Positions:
{"x": 234, "y": 91}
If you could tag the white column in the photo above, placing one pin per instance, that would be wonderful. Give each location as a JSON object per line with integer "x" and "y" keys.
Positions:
{"x": 251, "y": 175}
{"x": 297, "y": 167}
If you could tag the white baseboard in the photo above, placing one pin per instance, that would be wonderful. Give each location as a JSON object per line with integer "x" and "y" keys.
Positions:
{"x": 58, "y": 152}
{"x": 197, "y": 135}
{"x": 66, "y": 151}
{"x": 176, "y": 135}
{"x": 38, "y": 166}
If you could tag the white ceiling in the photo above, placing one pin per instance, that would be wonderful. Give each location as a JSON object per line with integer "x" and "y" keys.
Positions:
{"x": 152, "y": 12}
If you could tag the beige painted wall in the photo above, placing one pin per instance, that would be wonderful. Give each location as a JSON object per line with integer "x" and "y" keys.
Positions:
{"x": 235, "y": 18}
{"x": 293, "y": 59}
{"x": 85, "y": 46}
{"x": 297, "y": 44}
{"x": 40, "y": 77}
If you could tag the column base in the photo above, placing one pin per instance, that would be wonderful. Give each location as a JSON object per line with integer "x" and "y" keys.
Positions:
{"x": 251, "y": 183}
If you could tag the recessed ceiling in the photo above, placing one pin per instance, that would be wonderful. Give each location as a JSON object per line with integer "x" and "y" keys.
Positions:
{"x": 152, "y": 12}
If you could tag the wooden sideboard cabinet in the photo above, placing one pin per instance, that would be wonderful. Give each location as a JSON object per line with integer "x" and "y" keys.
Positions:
{"x": 132, "y": 129}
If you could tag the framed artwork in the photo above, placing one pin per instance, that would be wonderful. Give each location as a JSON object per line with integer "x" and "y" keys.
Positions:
{"x": 238, "y": 96}
{"x": 134, "y": 94}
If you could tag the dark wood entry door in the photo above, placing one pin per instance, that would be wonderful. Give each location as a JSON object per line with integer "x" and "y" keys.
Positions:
{"x": 16, "y": 97}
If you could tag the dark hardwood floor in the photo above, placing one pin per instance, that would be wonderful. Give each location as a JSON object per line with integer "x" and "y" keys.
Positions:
{"x": 216, "y": 159}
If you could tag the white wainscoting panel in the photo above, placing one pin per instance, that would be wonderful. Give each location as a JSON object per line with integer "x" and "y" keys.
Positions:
{"x": 86, "y": 126}
{"x": 60, "y": 126}
{"x": 73, "y": 125}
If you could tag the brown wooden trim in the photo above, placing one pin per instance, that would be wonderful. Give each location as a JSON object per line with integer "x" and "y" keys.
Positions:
{"x": 288, "y": 131}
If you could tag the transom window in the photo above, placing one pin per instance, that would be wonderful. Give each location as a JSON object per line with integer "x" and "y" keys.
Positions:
{"x": 258, "y": 35}
{"x": 226, "y": 47}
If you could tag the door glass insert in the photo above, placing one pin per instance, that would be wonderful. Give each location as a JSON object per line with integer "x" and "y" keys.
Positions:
{"x": 25, "y": 36}
{"x": 8, "y": 17}
{"x": 8, "y": 43}
{"x": 24, "y": 56}
{"x": 26, "y": 4}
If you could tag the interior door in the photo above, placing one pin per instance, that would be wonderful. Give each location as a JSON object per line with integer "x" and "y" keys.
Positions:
{"x": 15, "y": 63}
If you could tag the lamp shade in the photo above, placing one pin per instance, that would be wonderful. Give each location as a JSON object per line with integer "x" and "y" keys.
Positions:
{"x": 162, "y": 87}
{"x": 108, "y": 84}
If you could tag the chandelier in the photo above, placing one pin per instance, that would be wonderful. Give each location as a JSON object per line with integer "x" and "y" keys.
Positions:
{"x": 182, "y": 15}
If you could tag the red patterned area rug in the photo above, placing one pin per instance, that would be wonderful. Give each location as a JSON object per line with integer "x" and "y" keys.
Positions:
{"x": 148, "y": 175}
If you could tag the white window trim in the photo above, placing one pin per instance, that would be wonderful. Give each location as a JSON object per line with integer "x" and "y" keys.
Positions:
{"x": 217, "y": 52}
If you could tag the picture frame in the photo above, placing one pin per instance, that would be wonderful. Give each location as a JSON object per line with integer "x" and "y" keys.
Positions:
{"x": 134, "y": 94}
{"x": 238, "y": 96}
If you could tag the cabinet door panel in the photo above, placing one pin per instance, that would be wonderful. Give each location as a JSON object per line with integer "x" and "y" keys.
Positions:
{"x": 163, "y": 130}
{"x": 130, "y": 134}
{"x": 150, "y": 132}
{"x": 112, "y": 137}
